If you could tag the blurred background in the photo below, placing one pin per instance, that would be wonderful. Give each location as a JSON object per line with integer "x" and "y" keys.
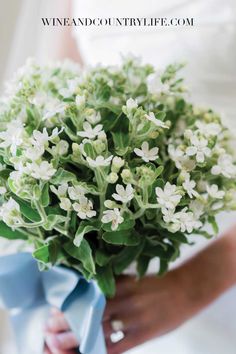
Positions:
{"x": 209, "y": 48}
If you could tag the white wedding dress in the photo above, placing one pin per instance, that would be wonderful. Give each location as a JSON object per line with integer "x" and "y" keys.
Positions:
{"x": 209, "y": 48}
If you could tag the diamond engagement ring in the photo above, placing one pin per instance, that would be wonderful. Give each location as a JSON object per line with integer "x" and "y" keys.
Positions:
{"x": 118, "y": 331}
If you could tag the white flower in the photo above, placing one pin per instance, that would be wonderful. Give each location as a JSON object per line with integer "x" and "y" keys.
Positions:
{"x": 117, "y": 163}
{"x": 39, "y": 99}
{"x": 169, "y": 197}
{"x": 10, "y": 213}
{"x": 159, "y": 123}
{"x": 197, "y": 207}
{"x": 113, "y": 216}
{"x": 217, "y": 205}
{"x": 13, "y": 136}
{"x": 181, "y": 161}
{"x": 131, "y": 104}
{"x": 199, "y": 148}
{"x": 44, "y": 170}
{"x": 61, "y": 148}
{"x": 84, "y": 208}
{"x": 65, "y": 204}
{"x": 112, "y": 177}
{"x": 155, "y": 84}
{"x": 100, "y": 161}
{"x": 90, "y": 132}
{"x": 168, "y": 215}
{"x": 61, "y": 191}
{"x": 76, "y": 192}
{"x": 93, "y": 118}
{"x": 214, "y": 192}
{"x": 122, "y": 194}
{"x": 146, "y": 154}
{"x": 186, "y": 221}
{"x": 208, "y": 129}
{"x": 224, "y": 166}
{"x": 71, "y": 89}
{"x": 189, "y": 186}
{"x": 41, "y": 139}
{"x": 55, "y": 133}
{"x": 21, "y": 169}
{"x": 80, "y": 100}
{"x": 53, "y": 107}
{"x": 34, "y": 153}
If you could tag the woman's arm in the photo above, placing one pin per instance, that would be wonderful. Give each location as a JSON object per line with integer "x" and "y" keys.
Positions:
{"x": 154, "y": 306}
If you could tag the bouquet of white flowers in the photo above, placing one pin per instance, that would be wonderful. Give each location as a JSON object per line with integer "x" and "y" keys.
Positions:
{"x": 110, "y": 165}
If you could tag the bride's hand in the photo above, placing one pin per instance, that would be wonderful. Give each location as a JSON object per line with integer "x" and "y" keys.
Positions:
{"x": 148, "y": 308}
{"x": 154, "y": 306}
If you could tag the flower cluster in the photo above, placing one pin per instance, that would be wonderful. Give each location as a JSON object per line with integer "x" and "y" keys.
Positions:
{"x": 104, "y": 167}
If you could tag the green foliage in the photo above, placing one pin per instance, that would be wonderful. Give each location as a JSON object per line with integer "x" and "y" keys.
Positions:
{"x": 83, "y": 253}
{"x": 7, "y": 232}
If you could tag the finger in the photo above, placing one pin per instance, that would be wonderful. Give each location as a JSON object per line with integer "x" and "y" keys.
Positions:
{"x": 56, "y": 324}
{"x": 61, "y": 342}
{"x": 128, "y": 325}
{"x": 47, "y": 351}
{"x": 124, "y": 285}
{"x": 60, "y": 352}
{"x": 55, "y": 312}
{"x": 131, "y": 340}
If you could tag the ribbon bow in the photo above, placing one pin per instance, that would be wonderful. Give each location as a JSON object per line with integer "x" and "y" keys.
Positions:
{"x": 28, "y": 294}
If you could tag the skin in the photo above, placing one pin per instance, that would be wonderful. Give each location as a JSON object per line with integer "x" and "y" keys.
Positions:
{"x": 154, "y": 306}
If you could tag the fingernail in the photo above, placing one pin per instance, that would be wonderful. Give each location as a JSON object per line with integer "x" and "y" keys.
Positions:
{"x": 51, "y": 341}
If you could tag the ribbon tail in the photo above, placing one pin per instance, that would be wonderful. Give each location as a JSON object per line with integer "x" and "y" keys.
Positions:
{"x": 99, "y": 345}
{"x": 83, "y": 310}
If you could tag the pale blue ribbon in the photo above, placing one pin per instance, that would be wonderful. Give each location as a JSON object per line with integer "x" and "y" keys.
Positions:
{"x": 28, "y": 294}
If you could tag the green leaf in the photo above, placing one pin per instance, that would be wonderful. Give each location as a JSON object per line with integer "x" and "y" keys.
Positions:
{"x": 45, "y": 196}
{"x": 42, "y": 254}
{"x": 178, "y": 236}
{"x": 110, "y": 106}
{"x": 53, "y": 220}
{"x": 84, "y": 228}
{"x": 159, "y": 171}
{"x": 142, "y": 265}
{"x": 160, "y": 115}
{"x": 203, "y": 233}
{"x": 126, "y": 257}
{"x": 5, "y": 173}
{"x": 123, "y": 237}
{"x": 7, "y": 232}
{"x": 27, "y": 210}
{"x": 49, "y": 253}
{"x": 159, "y": 251}
{"x": 89, "y": 150}
{"x": 212, "y": 221}
{"x": 106, "y": 280}
{"x": 63, "y": 176}
{"x": 102, "y": 258}
{"x": 83, "y": 254}
{"x": 163, "y": 267}
{"x": 121, "y": 142}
